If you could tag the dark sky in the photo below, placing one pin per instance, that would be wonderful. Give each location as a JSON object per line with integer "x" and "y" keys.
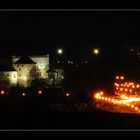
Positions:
{"x": 75, "y": 31}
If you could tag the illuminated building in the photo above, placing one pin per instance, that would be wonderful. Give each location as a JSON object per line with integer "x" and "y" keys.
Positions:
{"x": 25, "y": 69}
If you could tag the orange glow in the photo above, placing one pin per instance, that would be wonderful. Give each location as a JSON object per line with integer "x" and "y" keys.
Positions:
{"x": 125, "y": 89}
{"x": 132, "y": 106}
{"x": 121, "y": 89}
{"x": 122, "y": 77}
{"x": 101, "y": 93}
{"x": 117, "y": 77}
{"x": 138, "y": 86}
{"x": 136, "y": 108}
{"x": 130, "y": 90}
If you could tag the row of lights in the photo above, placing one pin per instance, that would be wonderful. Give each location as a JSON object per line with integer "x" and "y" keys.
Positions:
{"x": 99, "y": 96}
{"x": 2, "y": 92}
{"x": 126, "y": 86}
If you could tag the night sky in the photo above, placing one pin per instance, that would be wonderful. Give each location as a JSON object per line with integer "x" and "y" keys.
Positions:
{"x": 77, "y": 32}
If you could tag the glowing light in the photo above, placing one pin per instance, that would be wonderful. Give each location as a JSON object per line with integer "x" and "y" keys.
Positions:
{"x": 132, "y": 106}
{"x": 136, "y": 108}
{"x": 96, "y": 51}
{"x": 101, "y": 93}
{"x": 125, "y": 89}
{"x": 39, "y": 92}
{"x": 59, "y": 51}
{"x": 137, "y": 86}
{"x": 121, "y": 89}
{"x": 122, "y": 77}
{"x": 117, "y": 77}
{"x": 2, "y": 92}
{"x": 123, "y": 96}
{"x": 23, "y": 94}
{"x": 67, "y": 94}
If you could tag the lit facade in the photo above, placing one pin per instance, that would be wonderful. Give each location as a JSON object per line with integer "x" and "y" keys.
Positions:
{"x": 29, "y": 68}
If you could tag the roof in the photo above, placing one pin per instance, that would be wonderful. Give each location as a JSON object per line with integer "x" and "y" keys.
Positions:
{"x": 6, "y": 68}
{"x": 25, "y": 60}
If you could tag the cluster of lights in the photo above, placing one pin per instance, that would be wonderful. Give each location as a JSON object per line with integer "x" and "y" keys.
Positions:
{"x": 127, "y": 103}
{"x": 126, "y": 87}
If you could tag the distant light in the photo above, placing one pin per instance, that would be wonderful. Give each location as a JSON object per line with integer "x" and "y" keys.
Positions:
{"x": 67, "y": 94}
{"x": 62, "y": 77}
{"x": 59, "y": 51}
{"x": 96, "y": 51}
{"x": 122, "y": 77}
{"x": 117, "y": 77}
{"x": 39, "y": 92}
{"x": 2, "y": 92}
{"x": 23, "y": 94}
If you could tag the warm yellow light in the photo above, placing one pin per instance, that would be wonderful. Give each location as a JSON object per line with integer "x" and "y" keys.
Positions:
{"x": 123, "y": 96}
{"x": 122, "y": 77}
{"x": 125, "y": 89}
{"x": 96, "y": 51}
{"x": 138, "y": 86}
{"x": 117, "y": 77}
{"x": 136, "y": 108}
{"x": 132, "y": 106}
{"x": 121, "y": 89}
{"x": 101, "y": 93}
{"x": 133, "y": 86}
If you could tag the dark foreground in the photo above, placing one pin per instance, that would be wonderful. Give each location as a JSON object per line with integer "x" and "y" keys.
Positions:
{"x": 42, "y": 116}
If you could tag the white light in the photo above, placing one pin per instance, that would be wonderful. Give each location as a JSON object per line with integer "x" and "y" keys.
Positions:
{"x": 59, "y": 51}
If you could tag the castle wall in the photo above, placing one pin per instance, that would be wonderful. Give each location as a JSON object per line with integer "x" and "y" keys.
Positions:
{"x": 23, "y": 74}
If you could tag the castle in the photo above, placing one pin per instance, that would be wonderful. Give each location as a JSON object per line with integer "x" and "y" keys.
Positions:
{"x": 25, "y": 69}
